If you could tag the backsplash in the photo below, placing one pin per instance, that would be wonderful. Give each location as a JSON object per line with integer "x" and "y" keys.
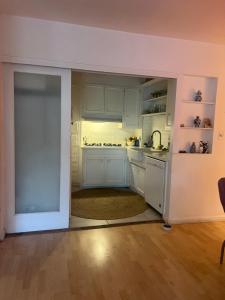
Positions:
{"x": 105, "y": 132}
{"x": 155, "y": 123}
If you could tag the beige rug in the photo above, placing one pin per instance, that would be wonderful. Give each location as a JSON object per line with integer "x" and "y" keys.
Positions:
{"x": 107, "y": 204}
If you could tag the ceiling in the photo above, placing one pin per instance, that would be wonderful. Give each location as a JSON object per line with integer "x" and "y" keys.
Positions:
{"x": 201, "y": 20}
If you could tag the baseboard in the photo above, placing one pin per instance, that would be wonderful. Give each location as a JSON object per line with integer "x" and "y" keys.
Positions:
{"x": 196, "y": 219}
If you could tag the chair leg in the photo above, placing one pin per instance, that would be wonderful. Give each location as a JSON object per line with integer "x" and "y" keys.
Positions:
{"x": 222, "y": 252}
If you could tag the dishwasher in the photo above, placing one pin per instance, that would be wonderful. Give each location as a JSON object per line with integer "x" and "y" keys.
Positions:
{"x": 155, "y": 182}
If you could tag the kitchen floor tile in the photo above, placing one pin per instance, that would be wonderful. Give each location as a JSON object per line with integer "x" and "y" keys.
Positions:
{"x": 151, "y": 214}
{"x": 138, "y": 218}
{"x": 76, "y": 222}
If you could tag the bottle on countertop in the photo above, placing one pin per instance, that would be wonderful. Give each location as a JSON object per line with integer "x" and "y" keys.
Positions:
{"x": 168, "y": 143}
{"x": 139, "y": 141}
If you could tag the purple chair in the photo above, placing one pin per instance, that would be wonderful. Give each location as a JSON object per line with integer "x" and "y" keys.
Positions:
{"x": 221, "y": 186}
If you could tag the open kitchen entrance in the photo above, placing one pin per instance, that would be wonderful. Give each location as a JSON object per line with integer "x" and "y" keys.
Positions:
{"x": 120, "y": 148}
{"x": 121, "y": 144}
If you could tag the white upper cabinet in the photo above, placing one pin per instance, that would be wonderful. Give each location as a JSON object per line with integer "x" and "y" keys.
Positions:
{"x": 170, "y": 105}
{"x": 114, "y": 100}
{"x": 94, "y": 99}
{"x": 102, "y": 100}
{"x": 131, "y": 108}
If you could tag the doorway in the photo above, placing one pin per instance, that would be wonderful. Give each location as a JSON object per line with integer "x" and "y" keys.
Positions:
{"x": 109, "y": 119}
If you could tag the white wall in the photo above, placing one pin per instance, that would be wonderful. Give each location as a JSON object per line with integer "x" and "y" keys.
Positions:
{"x": 59, "y": 44}
{"x": 105, "y": 132}
{"x": 33, "y": 41}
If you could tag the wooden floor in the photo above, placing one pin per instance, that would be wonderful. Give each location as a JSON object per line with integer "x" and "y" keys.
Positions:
{"x": 132, "y": 262}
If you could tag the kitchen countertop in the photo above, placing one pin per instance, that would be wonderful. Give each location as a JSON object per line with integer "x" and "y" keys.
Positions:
{"x": 161, "y": 155}
{"x": 103, "y": 147}
{"x": 164, "y": 156}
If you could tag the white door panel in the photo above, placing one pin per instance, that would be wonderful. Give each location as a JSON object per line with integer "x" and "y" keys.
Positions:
{"x": 38, "y": 123}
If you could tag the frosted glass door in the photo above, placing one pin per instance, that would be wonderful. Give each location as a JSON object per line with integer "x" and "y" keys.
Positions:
{"x": 37, "y": 119}
{"x": 40, "y": 131}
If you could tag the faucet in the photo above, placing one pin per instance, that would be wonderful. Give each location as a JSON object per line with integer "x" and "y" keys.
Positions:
{"x": 160, "y": 139}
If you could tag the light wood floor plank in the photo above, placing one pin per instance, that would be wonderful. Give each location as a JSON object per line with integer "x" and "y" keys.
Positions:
{"x": 135, "y": 262}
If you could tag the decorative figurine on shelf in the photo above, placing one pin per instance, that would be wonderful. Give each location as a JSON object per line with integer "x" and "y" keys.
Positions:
{"x": 197, "y": 121}
{"x": 193, "y": 148}
{"x": 204, "y": 147}
{"x": 198, "y": 96}
{"x": 206, "y": 123}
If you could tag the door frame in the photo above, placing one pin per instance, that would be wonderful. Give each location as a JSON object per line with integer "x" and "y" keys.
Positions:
{"x": 45, "y": 220}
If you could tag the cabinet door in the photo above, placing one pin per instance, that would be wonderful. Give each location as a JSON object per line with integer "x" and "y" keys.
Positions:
{"x": 94, "y": 99}
{"x": 155, "y": 185}
{"x": 115, "y": 171}
{"x": 171, "y": 96}
{"x": 114, "y": 100}
{"x": 94, "y": 171}
{"x": 131, "y": 108}
{"x": 138, "y": 178}
{"x": 141, "y": 181}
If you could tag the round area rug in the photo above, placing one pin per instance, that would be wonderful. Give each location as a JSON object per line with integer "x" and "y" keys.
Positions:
{"x": 107, "y": 204}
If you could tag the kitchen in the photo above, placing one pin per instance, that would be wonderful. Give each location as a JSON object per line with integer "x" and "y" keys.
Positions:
{"x": 120, "y": 141}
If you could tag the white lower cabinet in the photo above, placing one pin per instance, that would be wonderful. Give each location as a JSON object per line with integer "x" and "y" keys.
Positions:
{"x": 137, "y": 178}
{"x": 115, "y": 171}
{"x": 94, "y": 169}
{"x": 104, "y": 168}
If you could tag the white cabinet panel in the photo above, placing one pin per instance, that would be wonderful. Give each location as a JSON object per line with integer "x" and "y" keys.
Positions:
{"x": 104, "y": 167}
{"x": 94, "y": 169}
{"x": 115, "y": 171}
{"x": 94, "y": 99}
{"x": 75, "y": 153}
{"x": 137, "y": 178}
{"x": 131, "y": 108}
{"x": 114, "y": 100}
{"x": 155, "y": 183}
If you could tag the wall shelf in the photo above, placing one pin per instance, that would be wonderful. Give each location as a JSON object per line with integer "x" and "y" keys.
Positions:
{"x": 152, "y": 82}
{"x": 194, "y": 154}
{"x": 189, "y": 109}
{"x": 199, "y": 102}
{"x": 154, "y": 114}
{"x": 196, "y": 128}
{"x": 156, "y": 99}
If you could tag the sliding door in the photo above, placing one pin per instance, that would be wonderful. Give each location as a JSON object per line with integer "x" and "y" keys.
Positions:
{"x": 38, "y": 110}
